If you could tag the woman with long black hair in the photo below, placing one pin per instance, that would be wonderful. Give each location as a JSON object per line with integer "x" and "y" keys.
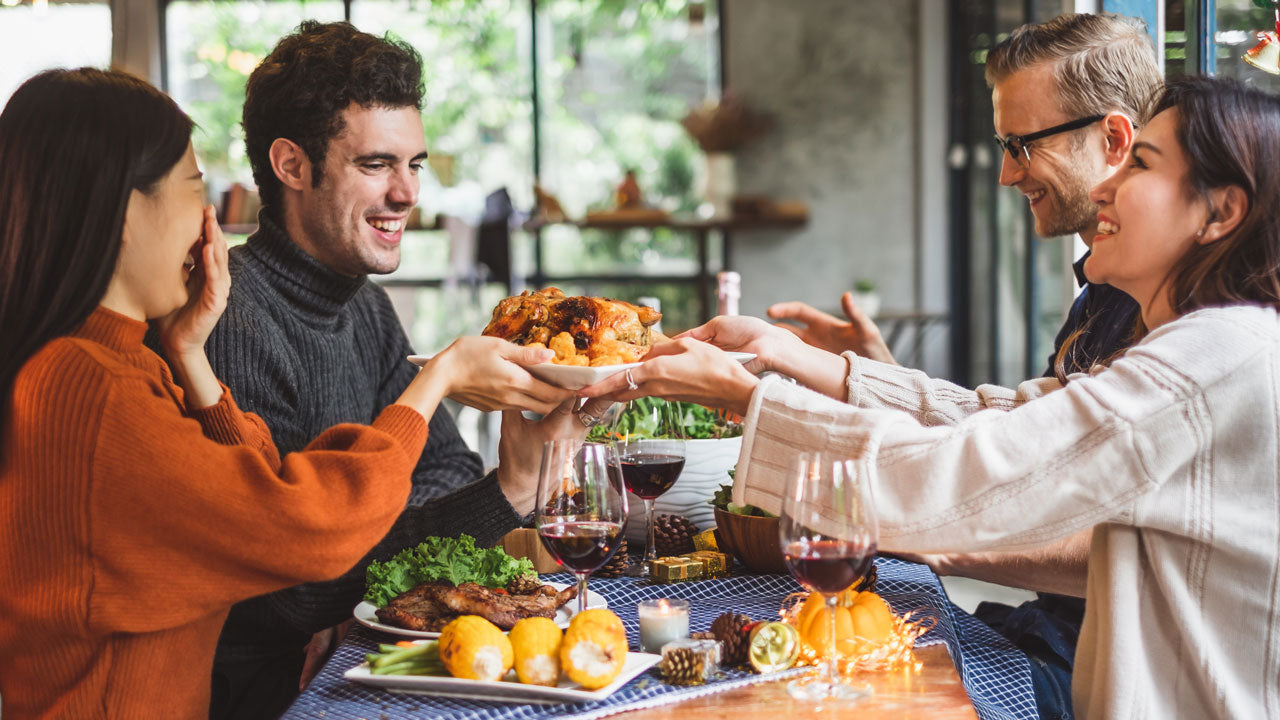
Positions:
{"x": 136, "y": 505}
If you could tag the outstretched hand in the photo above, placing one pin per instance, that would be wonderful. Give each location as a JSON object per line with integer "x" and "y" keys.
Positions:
{"x": 684, "y": 369}
{"x": 858, "y": 333}
{"x": 741, "y": 333}
{"x": 489, "y": 373}
{"x": 184, "y": 331}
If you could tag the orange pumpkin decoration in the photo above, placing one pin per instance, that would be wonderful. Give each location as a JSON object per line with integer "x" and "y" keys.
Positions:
{"x": 863, "y": 623}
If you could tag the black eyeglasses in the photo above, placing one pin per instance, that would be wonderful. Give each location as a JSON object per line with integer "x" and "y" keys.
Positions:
{"x": 1016, "y": 145}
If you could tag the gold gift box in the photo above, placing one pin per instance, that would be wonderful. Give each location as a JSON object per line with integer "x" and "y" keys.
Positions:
{"x": 705, "y": 540}
{"x": 675, "y": 569}
{"x": 714, "y": 564}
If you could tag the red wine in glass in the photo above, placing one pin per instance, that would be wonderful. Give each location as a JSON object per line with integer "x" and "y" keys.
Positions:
{"x": 827, "y": 532}
{"x": 828, "y": 566}
{"x": 582, "y": 547}
{"x": 648, "y": 475}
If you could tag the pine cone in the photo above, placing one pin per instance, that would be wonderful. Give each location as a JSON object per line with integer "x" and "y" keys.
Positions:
{"x": 731, "y": 630}
{"x": 617, "y": 565}
{"x": 673, "y": 535}
{"x": 524, "y": 585}
{"x": 681, "y": 666}
{"x": 868, "y": 581}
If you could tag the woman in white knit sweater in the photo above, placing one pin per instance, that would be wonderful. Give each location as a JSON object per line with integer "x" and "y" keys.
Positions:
{"x": 1171, "y": 454}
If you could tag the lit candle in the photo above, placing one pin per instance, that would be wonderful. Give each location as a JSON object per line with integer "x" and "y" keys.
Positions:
{"x": 662, "y": 621}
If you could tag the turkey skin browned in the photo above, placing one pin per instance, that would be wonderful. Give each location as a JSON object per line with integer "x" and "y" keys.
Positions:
{"x": 581, "y": 330}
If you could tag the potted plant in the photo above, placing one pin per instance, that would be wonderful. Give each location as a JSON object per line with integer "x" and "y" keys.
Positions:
{"x": 866, "y": 297}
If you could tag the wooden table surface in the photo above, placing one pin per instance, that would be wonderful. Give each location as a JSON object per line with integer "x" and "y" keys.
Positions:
{"x": 935, "y": 693}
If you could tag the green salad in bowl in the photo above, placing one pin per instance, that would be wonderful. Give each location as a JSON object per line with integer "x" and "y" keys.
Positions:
{"x": 637, "y": 421}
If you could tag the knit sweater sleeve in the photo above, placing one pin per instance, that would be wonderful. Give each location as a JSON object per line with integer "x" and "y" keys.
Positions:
{"x": 224, "y": 422}
{"x": 478, "y": 509}
{"x": 880, "y": 386}
{"x": 174, "y": 514}
{"x": 1013, "y": 480}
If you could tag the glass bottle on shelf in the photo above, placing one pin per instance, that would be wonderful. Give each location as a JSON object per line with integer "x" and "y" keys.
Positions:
{"x": 728, "y": 290}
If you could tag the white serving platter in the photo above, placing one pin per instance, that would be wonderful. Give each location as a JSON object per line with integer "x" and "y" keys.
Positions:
{"x": 502, "y": 691}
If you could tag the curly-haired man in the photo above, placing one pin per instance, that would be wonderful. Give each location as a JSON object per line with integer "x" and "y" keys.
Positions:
{"x": 334, "y": 135}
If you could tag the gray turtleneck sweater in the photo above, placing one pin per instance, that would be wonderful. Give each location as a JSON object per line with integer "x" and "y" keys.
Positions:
{"x": 307, "y": 348}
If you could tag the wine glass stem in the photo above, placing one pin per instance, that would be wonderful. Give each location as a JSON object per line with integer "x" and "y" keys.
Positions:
{"x": 834, "y": 654}
{"x": 582, "y": 590}
{"x": 650, "y": 549}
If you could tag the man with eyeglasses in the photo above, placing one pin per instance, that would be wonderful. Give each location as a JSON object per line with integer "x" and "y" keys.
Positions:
{"x": 1066, "y": 94}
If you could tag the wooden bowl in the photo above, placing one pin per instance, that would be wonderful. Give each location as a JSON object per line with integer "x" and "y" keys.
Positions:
{"x": 753, "y": 540}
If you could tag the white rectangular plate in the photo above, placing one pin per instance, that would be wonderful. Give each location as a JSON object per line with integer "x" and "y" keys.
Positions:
{"x": 573, "y": 377}
{"x": 366, "y": 614}
{"x": 505, "y": 691}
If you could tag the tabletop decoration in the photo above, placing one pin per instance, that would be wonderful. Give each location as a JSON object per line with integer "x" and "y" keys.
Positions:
{"x": 673, "y": 535}
{"x": 674, "y": 569}
{"x": 662, "y": 620}
{"x": 618, "y": 564}
{"x": 995, "y": 674}
{"x": 689, "y": 661}
{"x": 733, "y": 630}
{"x": 773, "y": 647}
{"x": 870, "y": 636}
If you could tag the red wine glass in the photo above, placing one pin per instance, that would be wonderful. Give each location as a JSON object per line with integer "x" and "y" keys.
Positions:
{"x": 581, "y": 507}
{"x": 828, "y": 534}
{"x": 649, "y": 440}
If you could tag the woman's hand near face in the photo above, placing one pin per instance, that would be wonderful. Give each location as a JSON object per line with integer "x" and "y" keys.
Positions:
{"x": 486, "y": 373}
{"x": 684, "y": 369}
{"x": 184, "y": 331}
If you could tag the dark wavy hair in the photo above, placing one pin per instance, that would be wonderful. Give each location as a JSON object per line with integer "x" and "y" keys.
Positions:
{"x": 299, "y": 91}
{"x": 1230, "y": 135}
{"x": 74, "y": 144}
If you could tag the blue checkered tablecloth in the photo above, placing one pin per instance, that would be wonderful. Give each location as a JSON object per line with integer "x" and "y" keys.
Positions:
{"x": 994, "y": 672}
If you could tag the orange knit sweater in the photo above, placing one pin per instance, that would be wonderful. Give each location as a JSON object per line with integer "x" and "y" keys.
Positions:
{"x": 129, "y": 524}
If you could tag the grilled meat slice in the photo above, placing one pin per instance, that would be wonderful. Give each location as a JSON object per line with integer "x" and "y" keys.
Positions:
{"x": 430, "y": 606}
{"x": 505, "y": 610}
{"x": 418, "y": 609}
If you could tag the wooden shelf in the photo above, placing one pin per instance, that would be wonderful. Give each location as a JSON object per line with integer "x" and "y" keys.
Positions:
{"x": 676, "y": 222}
{"x": 437, "y": 223}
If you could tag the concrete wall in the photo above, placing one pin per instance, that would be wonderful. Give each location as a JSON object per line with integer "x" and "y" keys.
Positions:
{"x": 847, "y": 84}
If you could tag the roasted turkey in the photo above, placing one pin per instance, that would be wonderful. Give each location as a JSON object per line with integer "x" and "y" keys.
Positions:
{"x": 582, "y": 330}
